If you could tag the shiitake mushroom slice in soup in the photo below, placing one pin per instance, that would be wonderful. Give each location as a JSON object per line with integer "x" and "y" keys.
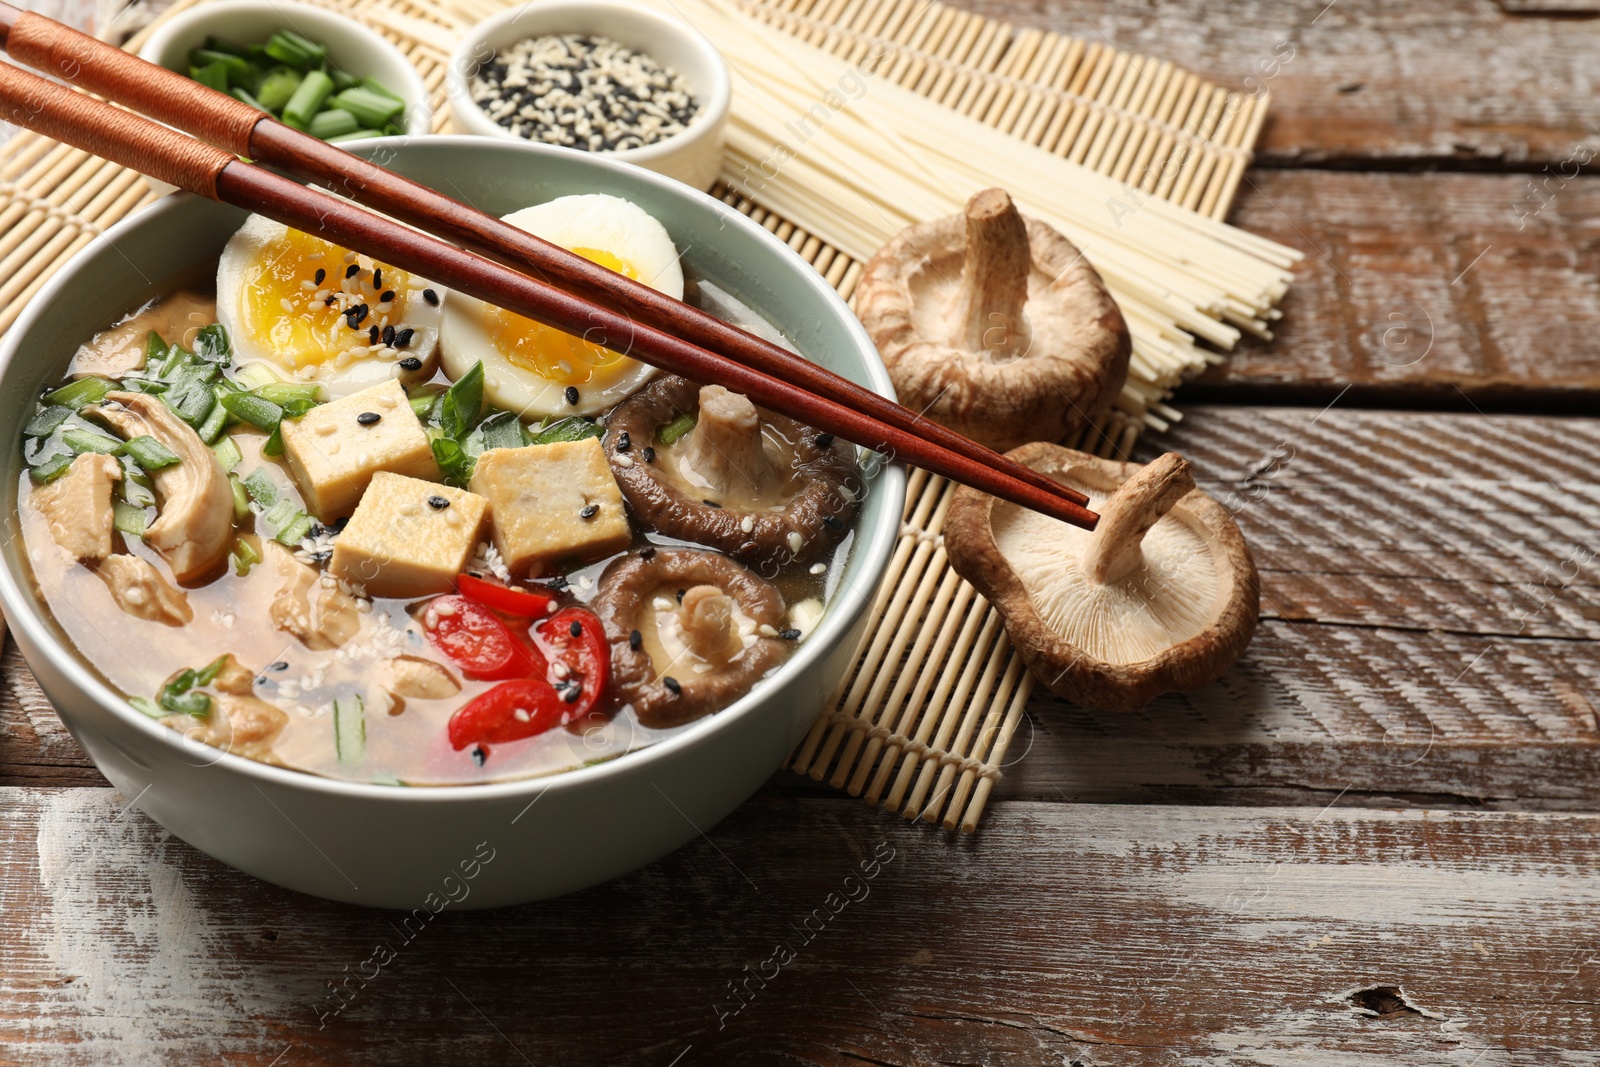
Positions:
{"x": 757, "y": 485}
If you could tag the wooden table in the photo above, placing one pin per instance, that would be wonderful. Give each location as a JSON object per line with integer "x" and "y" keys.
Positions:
{"x": 1375, "y": 842}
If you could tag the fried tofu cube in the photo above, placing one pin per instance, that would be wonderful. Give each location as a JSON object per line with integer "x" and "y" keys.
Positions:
{"x": 409, "y": 537}
{"x": 335, "y": 449}
{"x": 554, "y": 506}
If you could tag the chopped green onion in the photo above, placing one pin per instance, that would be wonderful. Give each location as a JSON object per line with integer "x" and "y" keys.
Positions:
{"x": 127, "y": 518}
{"x": 255, "y": 376}
{"x": 501, "y": 430}
{"x": 370, "y": 109}
{"x": 216, "y": 421}
{"x": 295, "y": 398}
{"x": 81, "y": 439}
{"x": 151, "y": 454}
{"x": 135, "y": 487}
{"x": 334, "y": 122}
{"x": 148, "y": 707}
{"x": 192, "y": 401}
{"x": 46, "y": 420}
{"x": 178, "y": 694}
{"x": 51, "y": 469}
{"x": 289, "y": 47}
{"x": 263, "y": 490}
{"x": 227, "y": 453}
{"x": 79, "y": 394}
{"x": 211, "y": 344}
{"x": 422, "y": 404}
{"x": 241, "y": 498}
{"x": 212, "y": 76}
{"x": 154, "y": 348}
{"x": 343, "y": 79}
{"x": 455, "y": 463}
{"x": 676, "y": 428}
{"x": 272, "y": 447}
{"x": 258, "y": 411}
{"x": 277, "y": 88}
{"x": 241, "y": 73}
{"x": 359, "y": 135}
{"x": 244, "y": 556}
{"x": 463, "y": 403}
{"x": 245, "y": 98}
{"x": 290, "y": 523}
{"x": 373, "y": 85}
{"x": 218, "y": 44}
{"x": 571, "y": 428}
{"x": 308, "y": 99}
{"x": 349, "y": 729}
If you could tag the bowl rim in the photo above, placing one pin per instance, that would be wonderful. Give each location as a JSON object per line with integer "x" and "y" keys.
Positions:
{"x": 715, "y": 65}
{"x": 419, "y": 105}
{"x": 872, "y": 548}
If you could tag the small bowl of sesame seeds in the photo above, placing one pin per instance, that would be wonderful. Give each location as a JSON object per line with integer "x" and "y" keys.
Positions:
{"x": 606, "y": 78}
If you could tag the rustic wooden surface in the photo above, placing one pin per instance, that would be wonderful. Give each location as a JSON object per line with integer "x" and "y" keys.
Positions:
{"x": 1369, "y": 844}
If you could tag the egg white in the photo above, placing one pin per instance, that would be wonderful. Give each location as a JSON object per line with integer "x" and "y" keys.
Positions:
{"x": 260, "y": 239}
{"x": 590, "y": 220}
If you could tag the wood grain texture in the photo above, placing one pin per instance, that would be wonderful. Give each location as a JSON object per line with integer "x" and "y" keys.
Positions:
{"x": 1431, "y": 629}
{"x": 1201, "y": 937}
{"x": 1364, "y": 83}
{"x": 1419, "y": 287}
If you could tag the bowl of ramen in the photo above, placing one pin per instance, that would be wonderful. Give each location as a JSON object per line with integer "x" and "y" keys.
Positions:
{"x": 375, "y": 591}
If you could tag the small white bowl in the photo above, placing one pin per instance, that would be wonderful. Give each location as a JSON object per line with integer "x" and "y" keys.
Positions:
{"x": 693, "y": 157}
{"x": 351, "y": 46}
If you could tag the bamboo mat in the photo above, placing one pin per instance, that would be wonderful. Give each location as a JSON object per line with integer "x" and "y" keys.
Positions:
{"x": 924, "y": 721}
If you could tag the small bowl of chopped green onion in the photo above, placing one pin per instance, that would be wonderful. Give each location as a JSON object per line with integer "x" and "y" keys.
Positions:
{"x": 315, "y": 69}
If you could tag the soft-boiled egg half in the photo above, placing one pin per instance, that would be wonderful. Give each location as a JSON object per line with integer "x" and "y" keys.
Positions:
{"x": 536, "y": 370}
{"x": 313, "y": 311}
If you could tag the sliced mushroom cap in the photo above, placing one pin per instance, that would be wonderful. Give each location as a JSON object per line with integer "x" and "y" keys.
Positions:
{"x": 995, "y": 325}
{"x": 761, "y": 487}
{"x": 1161, "y": 596}
{"x": 194, "y": 526}
{"x": 707, "y": 631}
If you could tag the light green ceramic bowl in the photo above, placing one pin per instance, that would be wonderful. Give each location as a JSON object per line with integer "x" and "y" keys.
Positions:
{"x": 414, "y": 848}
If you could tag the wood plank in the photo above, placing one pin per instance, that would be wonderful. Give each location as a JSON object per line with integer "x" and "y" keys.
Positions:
{"x": 1200, "y": 936}
{"x": 1432, "y": 618}
{"x": 1417, "y": 287}
{"x": 1365, "y": 82}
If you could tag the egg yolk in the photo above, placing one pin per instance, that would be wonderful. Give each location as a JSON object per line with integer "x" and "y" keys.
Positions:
{"x": 545, "y": 350}
{"x": 304, "y": 321}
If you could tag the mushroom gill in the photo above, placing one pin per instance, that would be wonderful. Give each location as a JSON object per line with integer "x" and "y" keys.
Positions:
{"x": 757, "y": 485}
{"x": 995, "y": 325}
{"x": 1161, "y": 596}
{"x": 690, "y": 632}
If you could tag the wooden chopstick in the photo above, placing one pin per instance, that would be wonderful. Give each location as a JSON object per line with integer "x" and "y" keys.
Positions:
{"x": 168, "y": 155}
{"x": 169, "y": 97}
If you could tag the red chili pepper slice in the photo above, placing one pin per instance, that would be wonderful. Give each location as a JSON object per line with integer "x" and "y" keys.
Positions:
{"x": 477, "y": 641}
{"x": 575, "y": 638}
{"x": 524, "y": 603}
{"x": 508, "y": 712}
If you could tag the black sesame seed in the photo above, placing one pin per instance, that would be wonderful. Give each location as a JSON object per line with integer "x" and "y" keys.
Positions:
{"x": 711, "y": 504}
{"x": 574, "y": 691}
{"x": 368, "y": 418}
{"x": 437, "y": 502}
{"x": 386, "y": 296}
{"x": 388, "y": 335}
{"x": 431, "y": 297}
{"x": 571, "y": 393}
{"x": 411, "y": 363}
{"x": 559, "y": 582}
{"x": 403, "y": 338}
{"x": 824, "y": 440}
{"x": 624, "y": 442}
{"x": 377, "y": 277}
{"x": 680, "y": 595}
{"x": 281, "y": 665}
{"x": 352, "y": 270}
{"x": 589, "y": 511}
{"x": 317, "y": 278}
{"x": 372, "y": 336}
{"x": 479, "y": 756}
{"x": 649, "y": 454}
{"x": 832, "y": 522}
{"x": 329, "y": 301}
{"x": 576, "y": 629}
{"x": 790, "y": 634}
{"x": 672, "y": 684}
{"x": 635, "y": 639}
{"x": 647, "y": 552}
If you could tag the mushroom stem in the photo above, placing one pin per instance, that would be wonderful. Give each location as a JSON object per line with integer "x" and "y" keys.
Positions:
{"x": 725, "y": 447}
{"x": 994, "y": 279}
{"x": 1127, "y": 516}
{"x": 707, "y": 621}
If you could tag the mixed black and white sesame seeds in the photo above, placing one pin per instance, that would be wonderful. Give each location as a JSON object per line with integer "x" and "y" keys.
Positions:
{"x": 589, "y": 93}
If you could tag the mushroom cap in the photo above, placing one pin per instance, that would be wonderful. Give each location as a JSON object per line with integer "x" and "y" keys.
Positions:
{"x": 1181, "y": 611}
{"x": 635, "y": 679}
{"x": 995, "y": 326}
{"x": 818, "y": 513}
